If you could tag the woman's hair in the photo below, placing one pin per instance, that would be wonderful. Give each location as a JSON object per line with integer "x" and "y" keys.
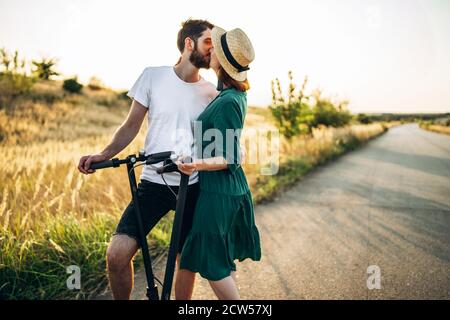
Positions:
{"x": 230, "y": 82}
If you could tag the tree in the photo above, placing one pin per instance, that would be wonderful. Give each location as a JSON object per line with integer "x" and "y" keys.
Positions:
{"x": 44, "y": 68}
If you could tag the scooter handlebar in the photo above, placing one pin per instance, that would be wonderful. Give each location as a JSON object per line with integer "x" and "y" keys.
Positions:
{"x": 103, "y": 164}
{"x": 150, "y": 159}
{"x": 158, "y": 157}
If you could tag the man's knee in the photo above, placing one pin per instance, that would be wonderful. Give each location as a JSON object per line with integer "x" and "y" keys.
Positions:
{"x": 184, "y": 284}
{"x": 120, "y": 252}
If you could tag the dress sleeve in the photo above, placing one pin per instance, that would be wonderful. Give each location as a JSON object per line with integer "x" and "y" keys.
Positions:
{"x": 229, "y": 123}
{"x": 141, "y": 90}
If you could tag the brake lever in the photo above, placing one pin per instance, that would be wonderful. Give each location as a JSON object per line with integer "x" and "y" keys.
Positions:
{"x": 171, "y": 166}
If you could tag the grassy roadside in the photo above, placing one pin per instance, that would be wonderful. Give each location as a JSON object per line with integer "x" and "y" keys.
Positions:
{"x": 294, "y": 169}
{"x": 436, "y": 128}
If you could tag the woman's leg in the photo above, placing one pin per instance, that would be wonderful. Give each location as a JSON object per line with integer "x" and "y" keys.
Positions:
{"x": 225, "y": 289}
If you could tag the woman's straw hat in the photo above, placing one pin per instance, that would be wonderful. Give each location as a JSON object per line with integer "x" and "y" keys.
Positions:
{"x": 234, "y": 51}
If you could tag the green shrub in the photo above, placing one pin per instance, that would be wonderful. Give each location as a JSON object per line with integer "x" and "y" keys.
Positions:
{"x": 363, "y": 118}
{"x": 328, "y": 113}
{"x": 294, "y": 116}
{"x": 72, "y": 85}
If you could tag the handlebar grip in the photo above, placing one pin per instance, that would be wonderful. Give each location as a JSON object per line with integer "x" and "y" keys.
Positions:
{"x": 161, "y": 155}
{"x": 158, "y": 157}
{"x": 101, "y": 165}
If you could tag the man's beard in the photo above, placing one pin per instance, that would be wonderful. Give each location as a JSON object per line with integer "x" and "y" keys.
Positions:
{"x": 198, "y": 60}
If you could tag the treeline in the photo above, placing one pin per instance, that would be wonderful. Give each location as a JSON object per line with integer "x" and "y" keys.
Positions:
{"x": 403, "y": 117}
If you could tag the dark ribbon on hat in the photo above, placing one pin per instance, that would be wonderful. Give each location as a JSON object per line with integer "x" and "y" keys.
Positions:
{"x": 229, "y": 56}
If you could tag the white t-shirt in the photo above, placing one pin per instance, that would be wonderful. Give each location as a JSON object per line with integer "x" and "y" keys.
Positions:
{"x": 173, "y": 106}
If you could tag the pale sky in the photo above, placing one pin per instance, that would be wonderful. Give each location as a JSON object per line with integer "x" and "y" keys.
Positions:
{"x": 383, "y": 56}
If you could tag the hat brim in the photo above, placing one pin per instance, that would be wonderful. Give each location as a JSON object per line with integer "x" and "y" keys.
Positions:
{"x": 216, "y": 33}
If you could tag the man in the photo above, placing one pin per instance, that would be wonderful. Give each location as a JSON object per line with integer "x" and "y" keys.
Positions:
{"x": 173, "y": 97}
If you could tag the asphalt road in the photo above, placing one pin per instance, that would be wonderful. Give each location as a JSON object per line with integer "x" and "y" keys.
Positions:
{"x": 385, "y": 205}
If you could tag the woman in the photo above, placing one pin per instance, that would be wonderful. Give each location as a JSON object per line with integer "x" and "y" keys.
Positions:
{"x": 224, "y": 227}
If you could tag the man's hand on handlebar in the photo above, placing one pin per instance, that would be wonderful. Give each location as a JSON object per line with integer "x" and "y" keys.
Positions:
{"x": 86, "y": 161}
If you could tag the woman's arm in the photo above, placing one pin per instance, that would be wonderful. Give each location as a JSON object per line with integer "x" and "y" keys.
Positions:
{"x": 208, "y": 164}
{"x": 229, "y": 153}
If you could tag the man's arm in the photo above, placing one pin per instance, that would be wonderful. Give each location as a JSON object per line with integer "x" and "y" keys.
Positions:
{"x": 127, "y": 131}
{"x": 121, "y": 139}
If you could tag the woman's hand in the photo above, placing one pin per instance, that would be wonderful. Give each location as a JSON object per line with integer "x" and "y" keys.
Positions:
{"x": 209, "y": 164}
{"x": 186, "y": 168}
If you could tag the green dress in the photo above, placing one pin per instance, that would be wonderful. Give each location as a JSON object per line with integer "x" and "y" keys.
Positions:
{"x": 224, "y": 227}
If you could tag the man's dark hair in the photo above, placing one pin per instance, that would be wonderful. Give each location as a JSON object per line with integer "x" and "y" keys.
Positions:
{"x": 192, "y": 29}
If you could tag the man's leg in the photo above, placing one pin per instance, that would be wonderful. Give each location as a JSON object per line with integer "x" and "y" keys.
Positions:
{"x": 184, "y": 282}
{"x": 155, "y": 201}
{"x": 119, "y": 257}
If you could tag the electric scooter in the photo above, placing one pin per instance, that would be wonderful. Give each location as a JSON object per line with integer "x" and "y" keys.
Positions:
{"x": 168, "y": 158}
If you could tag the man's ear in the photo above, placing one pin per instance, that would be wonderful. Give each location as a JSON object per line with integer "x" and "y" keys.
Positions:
{"x": 189, "y": 44}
